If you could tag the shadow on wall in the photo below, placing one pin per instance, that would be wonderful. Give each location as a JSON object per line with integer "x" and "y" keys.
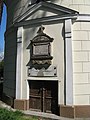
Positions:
{"x": 1, "y": 89}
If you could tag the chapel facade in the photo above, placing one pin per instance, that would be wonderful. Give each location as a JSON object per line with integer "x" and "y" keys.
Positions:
{"x": 47, "y": 56}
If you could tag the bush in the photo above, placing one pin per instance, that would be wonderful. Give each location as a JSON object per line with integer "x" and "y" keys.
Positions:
{"x": 10, "y": 115}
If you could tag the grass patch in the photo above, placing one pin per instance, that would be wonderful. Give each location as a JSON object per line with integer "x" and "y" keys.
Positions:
{"x": 17, "y": 115}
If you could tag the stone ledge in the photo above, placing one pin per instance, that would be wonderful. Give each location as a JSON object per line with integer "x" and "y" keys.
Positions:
{"x": 77, "y": 111}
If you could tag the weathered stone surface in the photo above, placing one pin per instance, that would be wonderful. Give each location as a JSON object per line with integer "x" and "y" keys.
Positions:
{"x": 51, "y": 71}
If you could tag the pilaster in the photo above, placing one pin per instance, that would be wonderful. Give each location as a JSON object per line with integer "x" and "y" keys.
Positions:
{"x": 19, "y": 64}
{"x": 68, "y": 64}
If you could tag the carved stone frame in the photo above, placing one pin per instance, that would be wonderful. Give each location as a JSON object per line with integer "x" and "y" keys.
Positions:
{"x": 41, "y": 48}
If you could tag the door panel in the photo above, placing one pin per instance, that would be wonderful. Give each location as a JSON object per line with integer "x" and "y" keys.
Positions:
{"x": 44, "y": 96}
{"x": 35, "y": 99}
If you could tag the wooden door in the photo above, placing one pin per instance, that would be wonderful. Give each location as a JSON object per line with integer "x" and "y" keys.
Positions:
{"x": 44, "y": 96}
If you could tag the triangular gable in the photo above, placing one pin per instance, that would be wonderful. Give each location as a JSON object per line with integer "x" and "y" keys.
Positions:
{"x": 40, "y": 14}
{"x": 45, "y": 6}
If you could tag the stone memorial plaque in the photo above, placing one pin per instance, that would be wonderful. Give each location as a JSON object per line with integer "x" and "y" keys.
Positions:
{"x": 50, "y": 72}
{"x": 40, "y": 50}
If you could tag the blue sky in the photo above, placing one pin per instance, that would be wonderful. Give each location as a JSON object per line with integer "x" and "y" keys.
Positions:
{"x": 2, "y": 29}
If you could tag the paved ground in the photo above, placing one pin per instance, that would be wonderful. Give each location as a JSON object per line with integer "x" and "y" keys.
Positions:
{"x": 41, "y": 115}
{"x": 48, "y": 116}
{"x": 3, "y": 105}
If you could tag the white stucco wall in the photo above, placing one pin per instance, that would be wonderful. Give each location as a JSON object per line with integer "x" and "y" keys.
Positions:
{"x": 81, "y": 52}
{"x": 57, "y": 51}
{"x": 81, "y": 55}
{"x": 81, "y": 59}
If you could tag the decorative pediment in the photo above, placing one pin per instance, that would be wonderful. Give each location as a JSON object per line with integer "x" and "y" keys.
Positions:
{"x": 40, "y": 14}
{"x": 44, "y": 7}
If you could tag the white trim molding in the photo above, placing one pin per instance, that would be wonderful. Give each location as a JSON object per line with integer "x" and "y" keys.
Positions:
{"x": 83, "y": 18}
{"x": 43, "y": 78}
{"x": 19, "y": 64}
{"x": 68, "y": 63}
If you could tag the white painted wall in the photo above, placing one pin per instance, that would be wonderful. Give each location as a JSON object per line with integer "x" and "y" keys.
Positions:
{"x": 57, "y": 53}
{"x": 81, "y": 52}
{"x": 81, "y": 55}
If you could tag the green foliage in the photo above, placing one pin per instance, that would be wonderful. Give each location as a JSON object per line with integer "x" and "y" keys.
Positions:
{"x": 10, "y": 115}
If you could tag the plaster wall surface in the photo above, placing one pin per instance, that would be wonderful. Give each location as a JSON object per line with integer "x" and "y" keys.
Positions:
{"x": 81, "y": 50}
{"x": 56, "y": 47}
